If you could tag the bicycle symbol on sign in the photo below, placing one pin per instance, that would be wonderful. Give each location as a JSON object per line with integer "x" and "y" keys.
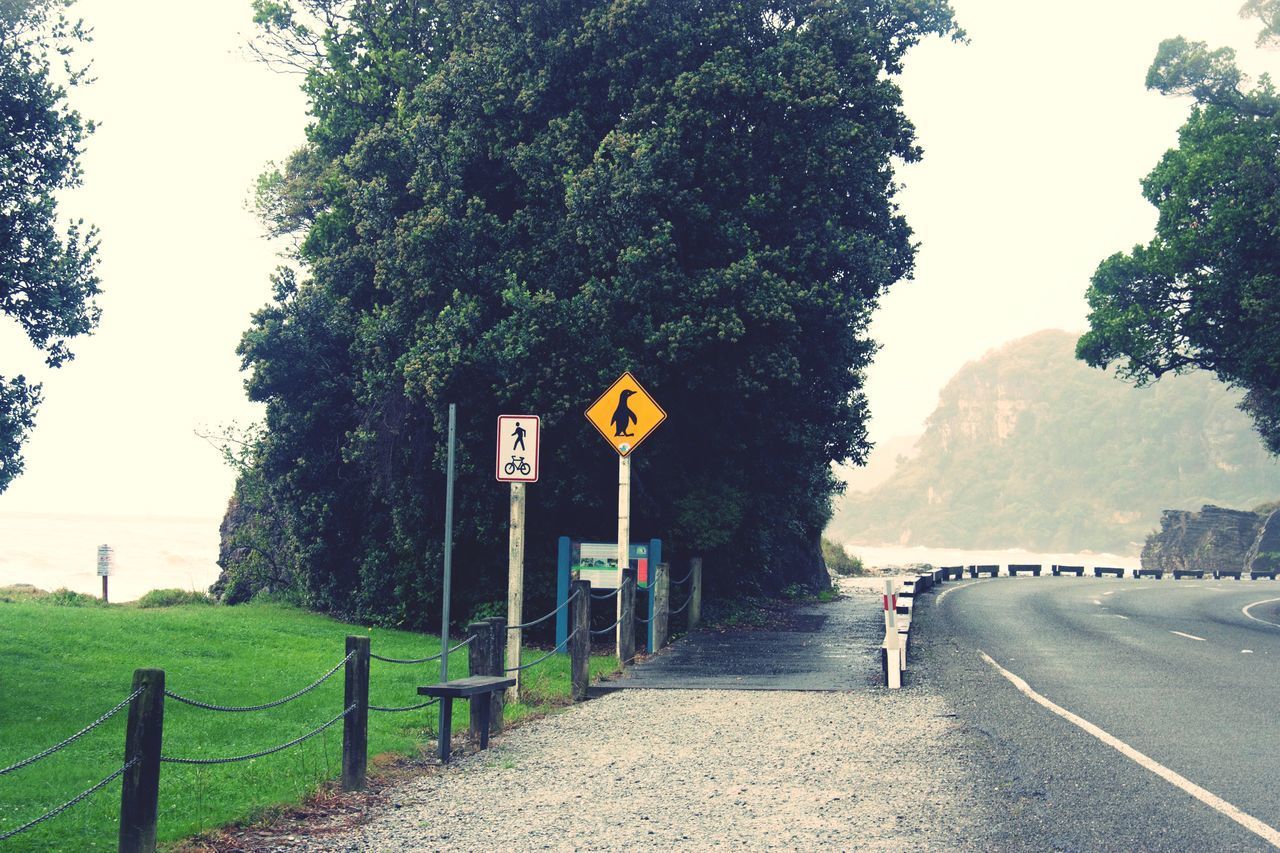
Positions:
{"x": 517, "y": 463}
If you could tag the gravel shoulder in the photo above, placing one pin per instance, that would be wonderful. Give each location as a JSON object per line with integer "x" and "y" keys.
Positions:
{"x": 694, "y": 769}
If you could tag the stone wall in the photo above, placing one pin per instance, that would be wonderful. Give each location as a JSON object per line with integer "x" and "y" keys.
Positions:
{"x": 1212, "y": 539}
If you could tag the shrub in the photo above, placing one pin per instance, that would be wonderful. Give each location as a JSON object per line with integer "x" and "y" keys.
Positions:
{"x": 69, "y": 598}
{"x": 173, "y": 598}
{"x": 839, "y": 561}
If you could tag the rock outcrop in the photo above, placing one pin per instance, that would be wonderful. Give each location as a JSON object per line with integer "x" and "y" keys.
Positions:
{"x": 1214, "y": 539}
{"x": 1264, "y": 556}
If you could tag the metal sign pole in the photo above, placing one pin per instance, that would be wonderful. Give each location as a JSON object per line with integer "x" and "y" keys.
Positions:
{"x": 448, "y": 551}
{"x": 515, "y": 585}
{"x": 624, "y": 534}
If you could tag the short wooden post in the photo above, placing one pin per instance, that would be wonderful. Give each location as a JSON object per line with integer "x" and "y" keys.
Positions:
{"x": 580, "y": 638}
{"x": 480, "y": 662}
{"x": 661, "y": 604}
{"x": 355, "y": 727}
{"x": 627, "y": 595}
{"x": 498, "y": 649}
{"x": 695, "y": 592}
{"x": 140, "y": 784}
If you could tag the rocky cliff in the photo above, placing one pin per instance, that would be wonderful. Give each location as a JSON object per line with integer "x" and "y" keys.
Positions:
{"x": 1214, "y": 539}
{"x": 1028, "y": 447}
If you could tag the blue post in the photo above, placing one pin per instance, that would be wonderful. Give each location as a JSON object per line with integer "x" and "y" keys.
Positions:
{"x": 562, "y": 590}
{"x": 655, "y": 557}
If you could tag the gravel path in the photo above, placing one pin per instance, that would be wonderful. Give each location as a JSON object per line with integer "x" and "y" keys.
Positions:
{"x": 697, "y": 769}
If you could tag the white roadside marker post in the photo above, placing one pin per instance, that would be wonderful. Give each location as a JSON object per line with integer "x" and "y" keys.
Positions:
{"x": 892, "y": 661}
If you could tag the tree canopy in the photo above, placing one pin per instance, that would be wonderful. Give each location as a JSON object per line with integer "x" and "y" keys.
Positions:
{"x": 505, "y": 205}
{"x": 48, "y": 277}
{"x": 1205, "y": 292}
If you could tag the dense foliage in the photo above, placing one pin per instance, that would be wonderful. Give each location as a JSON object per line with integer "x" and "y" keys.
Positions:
{"x": 1205, "y": 292}
{"x": 1029, "y": 448}
{"x": 505, "y": 205}
{"x": 48, "y": 276}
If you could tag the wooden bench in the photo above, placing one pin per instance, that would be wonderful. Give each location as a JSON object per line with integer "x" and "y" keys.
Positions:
{"x": 477, "y": 688}
{"x": 975, "y": 571}
{"x": 1099, "y": 571}
{"x": 1015, "y": 568}
{"x": 1148, "y": 573}
{"x": 1078, "y": 571}
{"x": 1254, "y": 576}
{"x": 1219, "y": 574}
{"x": 1179, "y": 574}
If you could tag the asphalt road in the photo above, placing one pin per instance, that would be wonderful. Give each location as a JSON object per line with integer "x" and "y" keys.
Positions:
{"x": 1174, "y": 670}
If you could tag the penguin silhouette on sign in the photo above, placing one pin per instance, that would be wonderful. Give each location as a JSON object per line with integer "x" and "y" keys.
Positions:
{"x": 622, "y": 416}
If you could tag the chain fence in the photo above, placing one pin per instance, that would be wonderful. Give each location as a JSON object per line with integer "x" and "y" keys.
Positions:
{"x": 253, "y": 755}
{"x": 541, "y": 619}
{"x": 426, "y": 704}
{"x": 608, "y": 629}
{"x": 564, "y": 643}
{"x": 75, "y": 737}
{"x": 236, "y": 709}
{"x": 434, "y": 657}
{"x": 52, "y": 813}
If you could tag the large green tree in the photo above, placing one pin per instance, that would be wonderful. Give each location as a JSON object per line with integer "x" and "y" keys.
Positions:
{"x": 48, "y": 277}
{"x": 1205, "y": 292}
{"x": 506, "y": 204}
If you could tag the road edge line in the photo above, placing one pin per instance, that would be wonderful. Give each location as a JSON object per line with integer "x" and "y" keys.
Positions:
{"x": 952, "y": 589}
{"x": 1264, "y": 831}
{"x": 1245, "y": 610}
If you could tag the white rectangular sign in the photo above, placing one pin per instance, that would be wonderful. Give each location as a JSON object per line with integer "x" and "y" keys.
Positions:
{"x": 105, "y": 560}
{"x": 518, "y": 441}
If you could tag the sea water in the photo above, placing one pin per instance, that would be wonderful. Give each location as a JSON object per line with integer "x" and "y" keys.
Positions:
{"x": 51, "y": 551}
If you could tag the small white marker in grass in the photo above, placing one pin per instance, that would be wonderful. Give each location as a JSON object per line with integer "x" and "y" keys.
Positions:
{"x": 1246, "y": 651}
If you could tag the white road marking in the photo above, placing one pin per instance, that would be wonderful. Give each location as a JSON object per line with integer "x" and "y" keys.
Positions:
{"x": 1097, "y": 601}
{"x": 952, "y": 589}
{"x": 1110, "y": 592}
{"x": 1245, "y": 610}
{"x": 1189, "y": 636}
{"x": 1264, "y": 831}
{"x": 1246, "y": 651}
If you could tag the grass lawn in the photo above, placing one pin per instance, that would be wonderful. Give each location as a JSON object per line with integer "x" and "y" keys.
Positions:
{"x": 62, "y": 667}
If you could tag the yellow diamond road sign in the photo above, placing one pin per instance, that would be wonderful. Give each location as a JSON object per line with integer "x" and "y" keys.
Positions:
{"x": 625, "y": 414}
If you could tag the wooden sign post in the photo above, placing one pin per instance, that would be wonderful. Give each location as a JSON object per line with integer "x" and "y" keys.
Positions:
{"x": 519, "y": 443}
{"x": 106, "y": 558}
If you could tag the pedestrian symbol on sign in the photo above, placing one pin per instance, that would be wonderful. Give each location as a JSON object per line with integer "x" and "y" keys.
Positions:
{"x": 518, "y": 441}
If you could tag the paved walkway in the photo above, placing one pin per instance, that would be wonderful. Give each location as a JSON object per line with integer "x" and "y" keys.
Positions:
{"x": 818, "y": 647}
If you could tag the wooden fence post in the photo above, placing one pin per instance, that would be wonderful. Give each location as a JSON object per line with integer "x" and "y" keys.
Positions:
{"x": 628, "y": 635}
{"x": 140, "y": 784}
{"x": 661, "y": 604}
{"x": 480, "y": 662}
{"x": 580, "y": 644}
{"x": 355, "y": 727}
{"x": 498, "y": 663}
{"x": 695, "y": 592}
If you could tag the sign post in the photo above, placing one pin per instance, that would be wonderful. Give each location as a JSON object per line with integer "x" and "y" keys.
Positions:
{"x": 519, "y": 443}
{"x": 448, "y": 572}
{"x": 105, "y": 559}
{"x": 625, "y": 415}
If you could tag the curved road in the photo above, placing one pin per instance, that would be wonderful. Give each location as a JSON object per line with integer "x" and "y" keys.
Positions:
{"x": 1183, "y": 675}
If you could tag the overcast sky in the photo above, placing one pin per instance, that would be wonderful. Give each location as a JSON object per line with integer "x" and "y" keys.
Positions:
{"x": 1036, "y": 135}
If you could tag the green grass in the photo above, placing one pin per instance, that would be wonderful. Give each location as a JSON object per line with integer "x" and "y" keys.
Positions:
{"x": 63, "y": 666}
